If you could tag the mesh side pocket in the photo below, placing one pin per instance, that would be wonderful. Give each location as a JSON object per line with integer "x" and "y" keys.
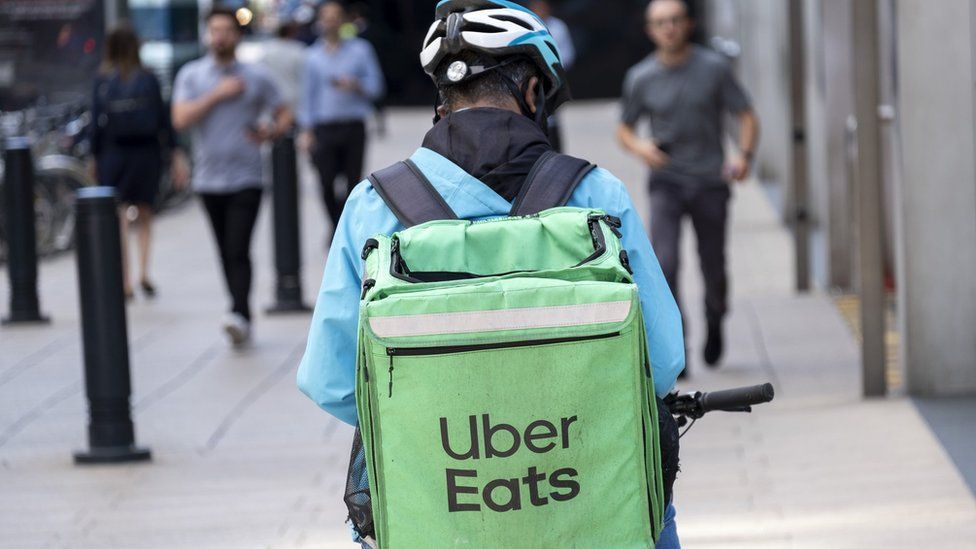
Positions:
{"x": 669, "y": 449}
{"x": 357, "y": 497}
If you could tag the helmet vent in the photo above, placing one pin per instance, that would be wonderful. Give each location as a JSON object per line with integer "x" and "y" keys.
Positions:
{"x": 516, "y": 20}
{"x": 435, "y": 36}
{"x": 480, "y": 28}
{"x": 439, "y": 32}
{"x": 553, "y": 49}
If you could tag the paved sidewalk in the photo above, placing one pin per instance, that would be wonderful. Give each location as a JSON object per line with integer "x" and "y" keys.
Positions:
{"x": 241, "y": 459}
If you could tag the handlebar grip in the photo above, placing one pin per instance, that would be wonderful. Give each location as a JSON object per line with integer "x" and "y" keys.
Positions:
{"x": 737, "y": 398}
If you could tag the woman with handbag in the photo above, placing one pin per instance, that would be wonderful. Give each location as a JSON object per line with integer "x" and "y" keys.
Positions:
{"x": 131, "y": 133}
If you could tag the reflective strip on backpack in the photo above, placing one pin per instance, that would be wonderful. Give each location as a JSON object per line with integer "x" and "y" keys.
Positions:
{"x": 504, "y": 319}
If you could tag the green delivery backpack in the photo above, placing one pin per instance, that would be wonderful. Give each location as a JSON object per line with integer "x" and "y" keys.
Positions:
{"x": 503, "y": 386}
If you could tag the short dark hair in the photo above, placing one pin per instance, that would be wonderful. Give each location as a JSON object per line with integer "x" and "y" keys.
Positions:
{"x": 223, "y": 11}
{"x": 489, "y": 86}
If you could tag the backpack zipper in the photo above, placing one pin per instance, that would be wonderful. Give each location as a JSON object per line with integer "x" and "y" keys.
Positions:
{"x": 452, "y": 349}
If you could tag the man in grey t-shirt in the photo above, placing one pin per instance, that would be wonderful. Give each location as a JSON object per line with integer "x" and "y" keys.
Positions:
{"x": 221, "y": 101}
{"x": 686, "y": 91}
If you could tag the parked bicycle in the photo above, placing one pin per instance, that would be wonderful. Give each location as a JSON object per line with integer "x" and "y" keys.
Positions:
{"x": 57, "y": 134}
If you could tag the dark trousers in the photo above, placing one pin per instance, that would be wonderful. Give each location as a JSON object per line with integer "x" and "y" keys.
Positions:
{"x": 232, "y": 217}
{"x": 708, "y": 208}
{"x": 339, "y": 150}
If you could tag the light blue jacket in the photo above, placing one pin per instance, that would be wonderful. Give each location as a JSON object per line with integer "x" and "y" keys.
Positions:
{"x": 327, "y": 371}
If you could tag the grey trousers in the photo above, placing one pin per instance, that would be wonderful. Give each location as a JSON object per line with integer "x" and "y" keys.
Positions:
{"x": 707, "y": 206}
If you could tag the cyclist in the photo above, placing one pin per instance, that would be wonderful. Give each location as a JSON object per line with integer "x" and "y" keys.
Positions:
{"x": 498, "y": 76}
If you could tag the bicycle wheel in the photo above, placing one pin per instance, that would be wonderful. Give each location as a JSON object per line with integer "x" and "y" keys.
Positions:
{"x": 57, "y": 180}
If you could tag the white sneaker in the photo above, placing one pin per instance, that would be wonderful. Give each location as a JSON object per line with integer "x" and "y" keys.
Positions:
{"x": 238, "y": 329}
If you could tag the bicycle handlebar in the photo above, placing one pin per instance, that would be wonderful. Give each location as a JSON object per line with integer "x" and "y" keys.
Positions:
{"x": 734, "y": 399}
{"x": 695, "y": 405}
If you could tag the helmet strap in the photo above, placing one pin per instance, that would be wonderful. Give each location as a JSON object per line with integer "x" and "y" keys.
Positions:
{"x": 539, "y": 116}
{"x": 438, "y": 101}
{"x": 541, "y": 112}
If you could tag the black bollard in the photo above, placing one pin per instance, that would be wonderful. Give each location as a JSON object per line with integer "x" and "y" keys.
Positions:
{"x": 287, "y": 239}
{"x": 111, "y": 437}
{"x": 18, "y": 195}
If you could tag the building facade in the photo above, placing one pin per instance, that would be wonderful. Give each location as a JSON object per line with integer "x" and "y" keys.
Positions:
{"x": 926, "y": 69}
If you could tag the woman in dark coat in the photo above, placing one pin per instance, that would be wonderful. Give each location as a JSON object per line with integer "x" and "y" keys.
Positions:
{"x": 131, "y": 134}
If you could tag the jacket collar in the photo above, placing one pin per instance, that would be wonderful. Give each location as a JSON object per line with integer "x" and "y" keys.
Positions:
{"x": 467, "y": 196}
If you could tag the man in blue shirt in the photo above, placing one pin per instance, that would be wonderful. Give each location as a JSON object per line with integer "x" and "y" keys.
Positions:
{"x": 341, "y": 82}
{"x": 477, "y": 156}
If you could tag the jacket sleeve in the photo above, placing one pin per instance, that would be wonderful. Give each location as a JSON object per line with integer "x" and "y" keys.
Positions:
{"x": 665, "y": 336}
{"x": 327, "y": 373}
{"x": 632, "y": 106}
{"x": 167, "y": 135}
{"x": 94, "y": 128}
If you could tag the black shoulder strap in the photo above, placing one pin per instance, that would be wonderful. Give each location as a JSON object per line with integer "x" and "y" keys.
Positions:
{"x": 410, "y": 195}
{"x": 551, "y": 183}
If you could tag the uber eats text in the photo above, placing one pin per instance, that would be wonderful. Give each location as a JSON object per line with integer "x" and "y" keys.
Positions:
{"x": 466, "y": 491}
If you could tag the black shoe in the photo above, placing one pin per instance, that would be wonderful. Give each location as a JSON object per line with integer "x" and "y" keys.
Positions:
{"x": 148, "y": 288}
{"x": 712, "y": 352}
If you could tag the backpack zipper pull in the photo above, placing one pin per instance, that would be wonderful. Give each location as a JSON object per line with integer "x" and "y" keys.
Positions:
{"x": 371, "y": 245}
{"x": 614, "y": 223}
{"x": 368, "y": 285}
{"x": 625, "y": 261}
{"x": 391, "y": 377}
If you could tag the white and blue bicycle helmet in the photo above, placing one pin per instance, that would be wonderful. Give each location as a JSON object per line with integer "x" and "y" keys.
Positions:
{"x": 498, "y": 30}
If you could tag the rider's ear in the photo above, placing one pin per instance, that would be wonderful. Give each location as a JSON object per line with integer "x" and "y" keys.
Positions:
{"x": 530, "y": 95}
{"x": 442, "y": 110}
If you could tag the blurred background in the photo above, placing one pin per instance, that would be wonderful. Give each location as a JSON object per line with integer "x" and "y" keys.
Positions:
{"x": 853, "y": 261}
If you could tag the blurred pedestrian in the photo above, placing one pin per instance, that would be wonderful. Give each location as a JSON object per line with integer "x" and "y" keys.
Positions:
{"x": 284, "y": 59}
{"x": 564, "y": 41}
{"x": 131, "y": 134}
{"x": 686, "y": 90}
{"x": 342, "y": 80}
{"x": 221, "y": 101}
{"x": 371, "y": 29}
